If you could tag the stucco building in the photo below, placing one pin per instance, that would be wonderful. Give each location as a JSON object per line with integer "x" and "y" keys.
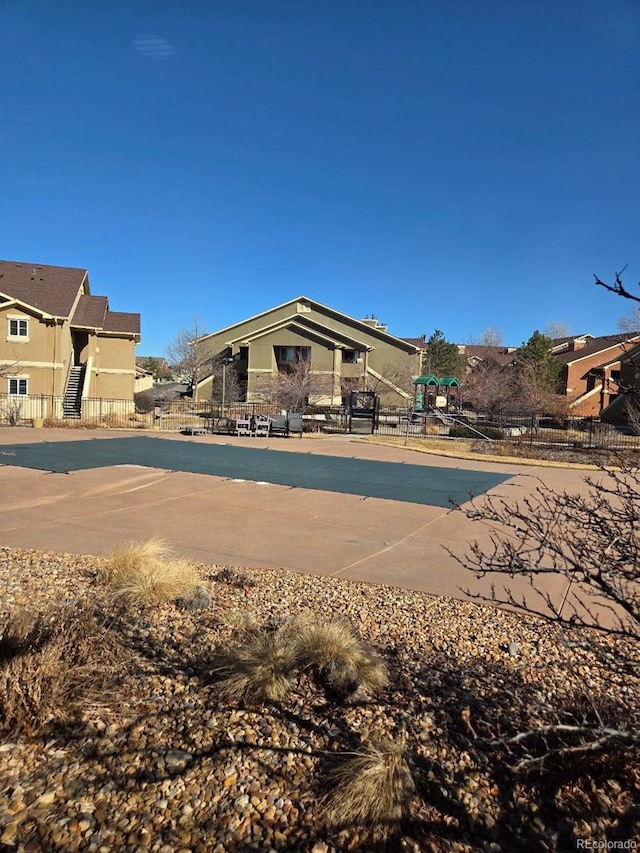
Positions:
{"x": 348, "y": 353}
{"x": 59, "y": 341}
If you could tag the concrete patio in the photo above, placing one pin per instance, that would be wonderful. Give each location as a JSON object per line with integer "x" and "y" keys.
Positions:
{"x": 246, "y": 523}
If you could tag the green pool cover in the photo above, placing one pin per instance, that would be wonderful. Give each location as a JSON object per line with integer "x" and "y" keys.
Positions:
{"x": 422, "y": 484}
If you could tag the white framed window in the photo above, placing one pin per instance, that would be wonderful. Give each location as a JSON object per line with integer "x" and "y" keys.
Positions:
{"x": 18, "y": 385}
{"x": 18, "y": 328}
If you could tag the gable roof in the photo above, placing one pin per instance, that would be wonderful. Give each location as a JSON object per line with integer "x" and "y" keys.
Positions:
{"x": 304, "y": 324}
{"x": 484, "y": 352}
{"x": 63, "y": 292}
{"x": 52, "y": 290}
{"x": 376, "y": 331}
{"x": 595, "y": 346}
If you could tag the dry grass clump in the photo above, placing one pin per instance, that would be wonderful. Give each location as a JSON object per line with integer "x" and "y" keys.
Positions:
{"x": 60, "y": 423}
{"x": 239, "y": 621}
{"x": 372, "y": 787}
{"x": 260, "y": 669}
{"x": 149, "y": 572}
{"x": 268, "y": 659}
{"x": 71, "y": 665}
{"x": 340, "y": 659}
{"x": 113, "y": 420}
{"x": 234, "y": 577}
{"x": 19, "y": 630}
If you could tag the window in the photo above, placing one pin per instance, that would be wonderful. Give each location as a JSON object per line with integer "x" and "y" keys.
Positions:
{"x": 351, "y": 356}
{"x": 18, "y": 328}
{"x": 292, "y": 355}
{"x": 18, "y": 386}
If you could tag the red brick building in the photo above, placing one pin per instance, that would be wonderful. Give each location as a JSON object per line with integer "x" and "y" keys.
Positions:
{"x": 591, "y": 370}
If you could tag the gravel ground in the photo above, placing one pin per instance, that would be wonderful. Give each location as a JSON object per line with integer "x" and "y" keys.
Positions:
{"x": 170, "y": 768}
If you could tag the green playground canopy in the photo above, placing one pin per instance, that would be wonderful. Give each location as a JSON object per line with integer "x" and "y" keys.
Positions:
{"x": 445, "y": 382}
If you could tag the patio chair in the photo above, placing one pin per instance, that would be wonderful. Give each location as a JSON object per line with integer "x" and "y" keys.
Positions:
{"x": 279, "y": 425}
{"x": 261, "y": 427}
{"x": 243, "y": 426}
{"x": 294, "y": 420}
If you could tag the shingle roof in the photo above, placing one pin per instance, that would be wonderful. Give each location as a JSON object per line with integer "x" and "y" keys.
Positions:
{"x": 595, "y": 346}
{"x": 501, "y": 355}
{"x": 417, "y": 342}
{"x": 90, "y": 312}
{"x": 567, "y": 339}
{"x": 54, "y": 290}
{"x": 122, "y": 321}
{"x": 48, "y": 288}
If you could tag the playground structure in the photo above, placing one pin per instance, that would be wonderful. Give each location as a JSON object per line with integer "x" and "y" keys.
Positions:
{"x": 432, "y": 393}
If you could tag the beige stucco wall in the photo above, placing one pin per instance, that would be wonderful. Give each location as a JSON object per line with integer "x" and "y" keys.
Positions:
{"x": 42, "y": 357}
{"x": 112, "y": 368}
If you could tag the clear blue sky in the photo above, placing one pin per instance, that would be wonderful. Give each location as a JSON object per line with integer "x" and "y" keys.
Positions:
{"x": 454, "y": 164}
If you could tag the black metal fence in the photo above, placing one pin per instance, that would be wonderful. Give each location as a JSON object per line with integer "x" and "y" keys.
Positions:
{"x": 48, "y": 410}
{"x": 516, "y": 429}
{"x": 175, "y": 415}
{"x": 166, "y": 415}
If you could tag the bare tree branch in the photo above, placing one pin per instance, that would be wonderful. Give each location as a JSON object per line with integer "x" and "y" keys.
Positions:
{"x": 618, "y": 287}
{"x": 591, "y": 739}
{"x": 292, "y": 389}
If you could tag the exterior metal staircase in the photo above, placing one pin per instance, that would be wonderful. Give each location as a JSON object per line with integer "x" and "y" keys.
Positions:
{"x": 72, "y": 403}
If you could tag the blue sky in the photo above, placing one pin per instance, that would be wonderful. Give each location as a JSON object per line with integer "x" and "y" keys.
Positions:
{"x": 453, "y": 165}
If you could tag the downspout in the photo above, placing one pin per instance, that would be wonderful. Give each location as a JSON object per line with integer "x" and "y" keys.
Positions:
{"x": 53, "y": 371}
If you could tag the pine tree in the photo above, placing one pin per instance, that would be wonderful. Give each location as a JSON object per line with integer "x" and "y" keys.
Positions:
{"x": 442, "y": 357}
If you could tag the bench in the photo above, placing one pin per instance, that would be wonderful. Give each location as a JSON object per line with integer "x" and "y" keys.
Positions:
{"x": 194, "y": 430}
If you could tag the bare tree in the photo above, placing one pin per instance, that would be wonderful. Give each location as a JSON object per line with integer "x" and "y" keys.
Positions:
{"x": 488, "y": 387}
{"x": 632, "y": 411}
{"x": 557, "y": 329}
{"x": 11, "y": 408}
{"x": 491, "y": 337}
{"x": 9, "y": 368}
{"x": 630, "y": 323}
{"x": 493, "y": 389}
{"x": 591, "y": 539}
{"x": 293, "y": 389}
{"x": 187, "y": 355}
{"x": 226, "y": 386}
{"x": 531, "y": 391}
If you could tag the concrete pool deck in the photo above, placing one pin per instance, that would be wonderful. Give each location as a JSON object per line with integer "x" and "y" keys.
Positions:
{"x": 237, "y": 521}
